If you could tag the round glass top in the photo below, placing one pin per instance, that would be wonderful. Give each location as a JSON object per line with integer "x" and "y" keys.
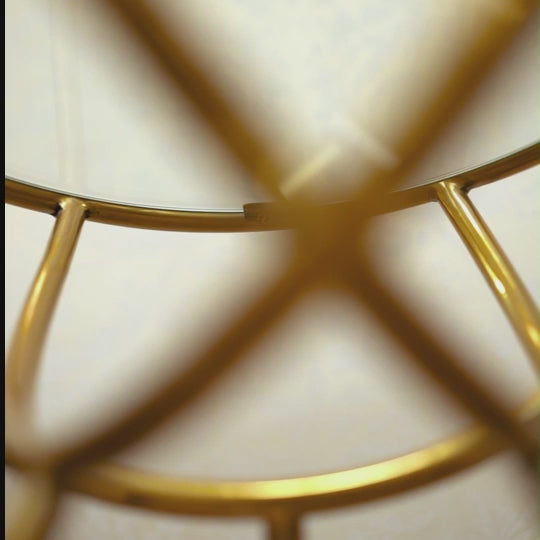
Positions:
{"x": 89, "y": 112}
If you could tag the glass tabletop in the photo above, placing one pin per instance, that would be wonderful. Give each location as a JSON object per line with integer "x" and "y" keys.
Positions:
{"x": 88, "y": 112}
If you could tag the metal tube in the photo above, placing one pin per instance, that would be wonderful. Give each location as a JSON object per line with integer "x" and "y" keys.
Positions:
{"x": 282, "y": 525}
{"x": 31, "y": 331}
{"x": 501, "y": 277}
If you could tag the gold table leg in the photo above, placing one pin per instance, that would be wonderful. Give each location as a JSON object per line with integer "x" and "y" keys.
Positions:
{"x": 503, "y": 280}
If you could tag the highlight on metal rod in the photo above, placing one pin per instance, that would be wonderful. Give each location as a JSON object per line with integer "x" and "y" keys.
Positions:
{"x": 434, "y": 360}
{"x": 499, "y": 273}
{"x": 255, "y": 216}
{"x": 132, "y": 487}
{"x": 30, "y": 334}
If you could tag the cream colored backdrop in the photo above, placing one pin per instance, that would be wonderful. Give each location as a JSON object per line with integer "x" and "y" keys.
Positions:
{"x": 86, "y": 112}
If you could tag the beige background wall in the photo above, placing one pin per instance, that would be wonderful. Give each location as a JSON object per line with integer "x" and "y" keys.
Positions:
{"x": 326, "y": 390}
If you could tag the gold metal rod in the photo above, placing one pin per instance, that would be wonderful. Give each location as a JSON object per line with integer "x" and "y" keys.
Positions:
{"x": 503, "y": 280}
{"x": 27, "y": 344}
{"x": 435, "y": 360}
{"x": 192, "y": 386}
{"x": 187, "y": 385}
{"x": 127, "y": 486}
{"x": 195, "y": 82}
{"x": 31, "y": 506}
{"x": 255, "y": 216}
{"x": 497, "y": 169}
{"x": 46, "y": 200}
{"x": 30, "y": 333}
{"x": 467, "y": 179}
{"x": 282, "y": 525}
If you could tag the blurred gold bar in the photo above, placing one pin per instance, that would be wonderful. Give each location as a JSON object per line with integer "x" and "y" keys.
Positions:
{"x": 188, "y": 74}
{"x": 283, "y": 526}
{"x": 33, "y": 506}
{"x": 435, "y": 360}
{"x": 27, "y": 344}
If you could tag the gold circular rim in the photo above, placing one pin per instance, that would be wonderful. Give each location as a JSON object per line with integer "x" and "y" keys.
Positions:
{"x": 128, "y": 486}
{"x": 253, "y": 217}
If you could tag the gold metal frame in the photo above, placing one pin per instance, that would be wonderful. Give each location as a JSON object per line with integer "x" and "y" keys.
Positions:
{"x": 326, "y": 249}
{"x": 272, "y": 499}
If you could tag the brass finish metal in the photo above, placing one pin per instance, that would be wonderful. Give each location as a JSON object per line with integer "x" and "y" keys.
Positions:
{"x": 36, "y": 317}
{"x": 27, "y": 344}
{"x": 503, "y": 280}
{"x": 255, "y": 216}
{"x": 186, "y": 386}
{"x": 283, "y": 525}
{"x": 325, "y": 248}
{"x": 143, "y": 217}
{"x": 137, "y": 488}
{"x": 157, "y": 492}
{"x": 276, "y": 214}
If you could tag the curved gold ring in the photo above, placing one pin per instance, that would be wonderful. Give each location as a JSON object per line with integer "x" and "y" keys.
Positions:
{"x": 156, "y": 492}
{"x": 253, "y": 217}
{"x": 127, "y": 486}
